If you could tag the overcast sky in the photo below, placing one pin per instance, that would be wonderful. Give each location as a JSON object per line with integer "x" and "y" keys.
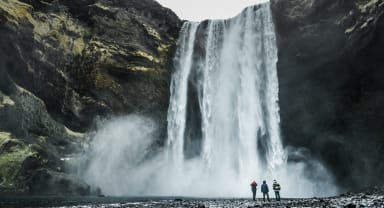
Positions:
{"x": 197, "y": 10}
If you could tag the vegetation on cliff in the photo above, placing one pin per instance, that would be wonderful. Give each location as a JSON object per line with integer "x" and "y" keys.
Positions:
{"x": 66, "y": 63}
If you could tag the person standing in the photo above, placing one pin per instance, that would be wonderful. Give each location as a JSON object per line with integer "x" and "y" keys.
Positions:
{"x": 276, "y": 188}
{"x": 265, "y": 190}
{"x": 253, "y": 187}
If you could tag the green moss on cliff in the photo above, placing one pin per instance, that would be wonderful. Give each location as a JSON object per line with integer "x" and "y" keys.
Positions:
{"x": 16, "y": 11}
{"x": 141, "y": 69}
{"x": 152, "y": 32}
{"x": 103, "y": 81}
{"x": 147, "y": 56}
{"x": 14, "y": 153}
{"x": 101, "y": 6}
{"x": 61, "y": 30}
{"x": 351, "y": 29}
{"x": 75, "y": 61}
{"x": 164, "y": 50}
{"x": 6, "y": 101}
{"x": 366, "y": 6}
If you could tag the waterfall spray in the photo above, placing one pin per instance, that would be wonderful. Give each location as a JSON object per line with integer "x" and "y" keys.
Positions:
{"x": 223, "y": 119}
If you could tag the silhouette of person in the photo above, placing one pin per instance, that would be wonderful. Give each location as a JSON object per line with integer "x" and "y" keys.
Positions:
{"x": 276, "y": 188}
{"x": 265, "y": 190}
{"x": 253, "y": 187}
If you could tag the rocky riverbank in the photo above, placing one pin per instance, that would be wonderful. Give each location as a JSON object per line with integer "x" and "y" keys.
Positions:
{"x": 371, "y": 198}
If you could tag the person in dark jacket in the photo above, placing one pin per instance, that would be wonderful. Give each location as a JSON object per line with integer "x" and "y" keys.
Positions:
{"x": 276, "y": 188}
{"x": 253, "y": 187}
{"x": 265, "y": 190}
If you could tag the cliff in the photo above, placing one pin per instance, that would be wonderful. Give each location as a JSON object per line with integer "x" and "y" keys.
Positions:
{"x": 331, "y": 68}
{"x": 63, "y": 65}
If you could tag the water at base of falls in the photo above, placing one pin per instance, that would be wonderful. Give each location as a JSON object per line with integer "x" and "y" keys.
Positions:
{"x": 223, "y": 121}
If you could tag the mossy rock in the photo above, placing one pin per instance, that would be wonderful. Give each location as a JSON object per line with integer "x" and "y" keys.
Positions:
{"x": 67, "y": 64}
{"x": 13, "y": 153}
{"x": 16, "y": 12}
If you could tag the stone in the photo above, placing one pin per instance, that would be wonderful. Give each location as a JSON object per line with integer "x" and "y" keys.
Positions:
{"x": 67, "y": 64}
{"x": 330, "y": 76}
{"x": 350, "y": 205}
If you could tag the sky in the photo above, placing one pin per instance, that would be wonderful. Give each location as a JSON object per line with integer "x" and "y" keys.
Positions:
{"x": 197, "y": 10}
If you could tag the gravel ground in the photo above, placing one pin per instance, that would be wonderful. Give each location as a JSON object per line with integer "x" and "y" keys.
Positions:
{"x": 372, "y": 198}
{"x": 348, "y": 201}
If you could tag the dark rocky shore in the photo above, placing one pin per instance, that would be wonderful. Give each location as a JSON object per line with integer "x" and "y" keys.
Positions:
{"x": 371, "y": 198}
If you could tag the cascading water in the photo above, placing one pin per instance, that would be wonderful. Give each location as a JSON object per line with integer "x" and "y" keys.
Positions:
{"x": 223, "y": 120}
{"x": 231, "y": 68}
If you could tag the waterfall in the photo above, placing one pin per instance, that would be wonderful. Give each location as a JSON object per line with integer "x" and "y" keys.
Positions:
{"x": 223, "y": 122}
{"x": 234, "y": 83}
{"x": 223, "y": 119}
{"x": 179, "y": 85}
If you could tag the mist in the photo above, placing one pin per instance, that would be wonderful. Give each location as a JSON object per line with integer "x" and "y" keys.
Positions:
{"x": 223, "y": 127}
{"x": 119, "y": 162}
{"x": 117, "y": 153}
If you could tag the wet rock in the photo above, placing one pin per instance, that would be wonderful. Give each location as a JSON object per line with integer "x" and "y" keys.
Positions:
{"x": 330, "y": 76}
{"x": 350, "y": 205}
{"x": 66, "y": 64}
{"x": 97, "y": 57}
{"x": 14, "y": 154}
{"x": 48, "y": 182}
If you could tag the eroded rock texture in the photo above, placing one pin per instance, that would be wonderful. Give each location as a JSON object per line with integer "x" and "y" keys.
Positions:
{"x": 63, "y": 64}
{"x": 331, "y": 72}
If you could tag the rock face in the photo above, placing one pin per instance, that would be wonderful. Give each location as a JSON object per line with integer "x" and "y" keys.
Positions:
{"x": 64, "y": 64}
{"x": 331, "y": 71}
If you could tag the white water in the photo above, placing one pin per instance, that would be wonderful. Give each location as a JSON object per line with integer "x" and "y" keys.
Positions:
{"x": 233, "y": 115}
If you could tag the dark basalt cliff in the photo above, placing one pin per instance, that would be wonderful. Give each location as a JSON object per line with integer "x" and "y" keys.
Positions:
{"x": 65, "y": 63}
{"x": 331, "y": 72}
